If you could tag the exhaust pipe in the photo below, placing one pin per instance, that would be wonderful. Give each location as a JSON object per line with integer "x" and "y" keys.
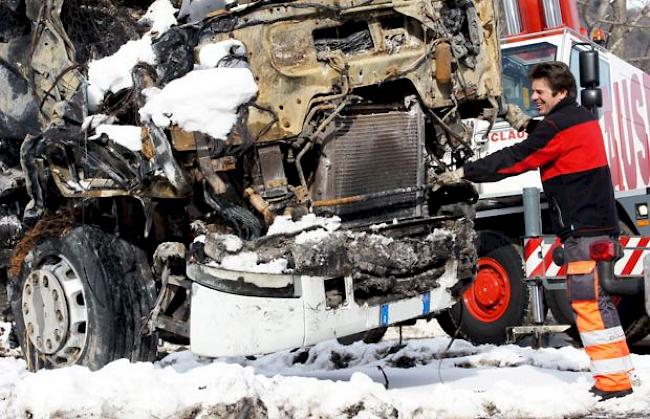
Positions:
{"x": 512, "y": 17}
{"x": 552, "y": 14}
{"x": 606, "y": 253}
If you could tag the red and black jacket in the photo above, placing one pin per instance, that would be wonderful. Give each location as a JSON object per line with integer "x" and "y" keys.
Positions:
{"x": 568, "y": 148}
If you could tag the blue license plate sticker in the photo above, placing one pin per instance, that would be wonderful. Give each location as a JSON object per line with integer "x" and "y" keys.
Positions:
{"x": 426, "y": 303}
{"x": 383, "y": 315}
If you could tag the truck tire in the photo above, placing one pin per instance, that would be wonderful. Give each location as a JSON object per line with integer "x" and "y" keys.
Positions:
{"x": 5, "y": 309}
{"x": 497, "y": 298}
{"x": 82, "y": 299}
{"x": 631, "y": 311}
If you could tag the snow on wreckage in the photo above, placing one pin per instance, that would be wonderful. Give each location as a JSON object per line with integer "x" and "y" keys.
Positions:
{"x": 274, "y": 163}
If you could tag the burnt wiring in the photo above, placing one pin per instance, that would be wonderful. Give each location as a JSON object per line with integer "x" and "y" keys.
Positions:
{"x": 267, "y": 127}
{"x": 97, "y": 28}
{"x": 318, "y": 103}
{"x": 451, "y": 132}
{"x": 121, "y": 104}
{"x": 244, "y": 222}
{"x": 56, "y": 81}
{"x": 313, "y": 140}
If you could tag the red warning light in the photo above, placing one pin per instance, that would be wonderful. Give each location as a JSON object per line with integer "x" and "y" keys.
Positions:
{"x": 598, "y": 36}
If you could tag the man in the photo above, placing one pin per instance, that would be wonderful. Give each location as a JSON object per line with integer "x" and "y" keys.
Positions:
{"x": 567, "y": 146}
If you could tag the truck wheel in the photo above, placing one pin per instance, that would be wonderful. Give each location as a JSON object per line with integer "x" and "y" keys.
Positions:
{"x": 630, "y": 310}
{"x": 82, "y": 299}
{"x": 497, "y": 298}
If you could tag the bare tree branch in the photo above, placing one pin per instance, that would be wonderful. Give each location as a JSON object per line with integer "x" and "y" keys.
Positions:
{"x": 602, "y": 11}
{"x": 637, "y": 26}
{"x": 638, "y": 59}
{"x": 618, "y": 44}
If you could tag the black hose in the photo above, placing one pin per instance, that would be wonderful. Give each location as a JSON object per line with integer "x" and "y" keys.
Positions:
{"x": 239, "y": 218}
{"x": 611, "y": 285}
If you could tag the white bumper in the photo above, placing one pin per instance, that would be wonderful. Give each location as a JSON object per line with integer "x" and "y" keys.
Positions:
{"x": 230, "y": 324}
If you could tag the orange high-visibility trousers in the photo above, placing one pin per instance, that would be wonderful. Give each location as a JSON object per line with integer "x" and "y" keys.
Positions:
{"x": 597, "y": 319}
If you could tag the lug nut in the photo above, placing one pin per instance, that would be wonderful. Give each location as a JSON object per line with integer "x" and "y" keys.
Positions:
{"x": 48, "y": 343}
{"x": 57, "y": 335}
{"x": 25, "y": 309}
{"x": 55, "y": 295}
{"x": 45, "y": 282}
{"x": 59, "y": 315}
{"x": 28, "y": 289}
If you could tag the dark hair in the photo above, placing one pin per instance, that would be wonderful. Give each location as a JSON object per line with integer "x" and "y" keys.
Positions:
{"x": 557, "y": 74}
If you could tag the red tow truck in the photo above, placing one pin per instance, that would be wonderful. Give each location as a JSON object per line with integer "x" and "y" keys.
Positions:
{"x": 500, "y": 297}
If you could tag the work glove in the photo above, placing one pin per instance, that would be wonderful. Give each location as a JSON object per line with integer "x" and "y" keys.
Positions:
{"x": 516, "y": 117}
{"x": 448, "y": 178}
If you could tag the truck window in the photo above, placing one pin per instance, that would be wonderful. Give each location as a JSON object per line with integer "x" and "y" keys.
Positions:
{"x": 516, "y": 63}
{"x": 603, "y": 67}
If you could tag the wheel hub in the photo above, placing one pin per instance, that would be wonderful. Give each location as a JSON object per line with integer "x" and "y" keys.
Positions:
{"x": 45, "y": 311}
{"x": 54, "y": 311}
{"x": 487, "y": 289}
{"x": 489, "y": 296}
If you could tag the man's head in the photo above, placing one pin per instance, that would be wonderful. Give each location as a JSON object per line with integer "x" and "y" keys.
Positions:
{"x": 551, "y": 82}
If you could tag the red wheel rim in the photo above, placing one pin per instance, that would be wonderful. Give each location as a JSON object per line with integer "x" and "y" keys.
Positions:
{"x": 489, "y": 296}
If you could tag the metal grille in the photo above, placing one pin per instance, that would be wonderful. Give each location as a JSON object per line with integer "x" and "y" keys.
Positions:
{"x": 375, "y": 155}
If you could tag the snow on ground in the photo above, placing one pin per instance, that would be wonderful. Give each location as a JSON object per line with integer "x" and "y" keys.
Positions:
{"x": 419, "y": 379}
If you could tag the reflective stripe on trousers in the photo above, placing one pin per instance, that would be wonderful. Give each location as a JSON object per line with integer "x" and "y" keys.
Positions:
{"x": 597, "y": 319}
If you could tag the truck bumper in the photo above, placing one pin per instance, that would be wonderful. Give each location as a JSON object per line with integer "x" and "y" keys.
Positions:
{"x": 228, "y": 319}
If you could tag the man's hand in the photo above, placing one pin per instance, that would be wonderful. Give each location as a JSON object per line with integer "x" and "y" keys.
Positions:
{"x": 516, "y": 117}
{"x": 448, "y": 178}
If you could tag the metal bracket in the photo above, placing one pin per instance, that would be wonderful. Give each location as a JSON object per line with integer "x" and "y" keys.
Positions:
{"x": 514, "y": 334}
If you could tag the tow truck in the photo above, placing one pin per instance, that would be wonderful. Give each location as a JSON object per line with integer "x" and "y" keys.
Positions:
{"x": 500, "y": 298}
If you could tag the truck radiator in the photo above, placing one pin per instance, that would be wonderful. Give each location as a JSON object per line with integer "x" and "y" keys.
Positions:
{"x": 372, "y": 166}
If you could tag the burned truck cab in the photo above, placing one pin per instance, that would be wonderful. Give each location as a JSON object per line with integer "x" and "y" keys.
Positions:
{"x": 359, "y": 106}
{"x": 275, "y": 164}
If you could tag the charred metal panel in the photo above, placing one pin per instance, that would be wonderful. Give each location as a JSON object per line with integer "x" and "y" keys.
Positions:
{"x": 372, "y": 155}
{"x": 312, "y": 52}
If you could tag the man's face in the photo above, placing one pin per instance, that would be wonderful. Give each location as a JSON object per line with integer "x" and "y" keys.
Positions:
{"x": 543, "y": 96}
